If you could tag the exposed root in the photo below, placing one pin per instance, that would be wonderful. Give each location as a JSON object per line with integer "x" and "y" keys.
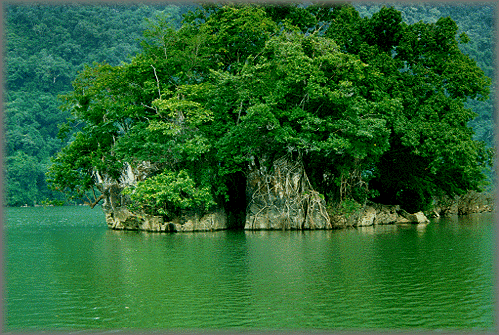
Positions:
{"x": 286, "y": 198}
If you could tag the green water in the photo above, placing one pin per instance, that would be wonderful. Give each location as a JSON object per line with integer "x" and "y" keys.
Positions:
{"x": 64, "y": 270}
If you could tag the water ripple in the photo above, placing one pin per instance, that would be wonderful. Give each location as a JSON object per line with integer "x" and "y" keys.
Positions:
{"x": 68, "y": 277}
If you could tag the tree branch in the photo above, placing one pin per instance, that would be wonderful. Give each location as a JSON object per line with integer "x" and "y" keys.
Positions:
{"x": 157, "y": 80}
{"x": 96, "y": 200}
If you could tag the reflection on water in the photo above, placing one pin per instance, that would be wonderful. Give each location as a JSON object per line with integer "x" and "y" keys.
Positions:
{"x": 77, "y": 274}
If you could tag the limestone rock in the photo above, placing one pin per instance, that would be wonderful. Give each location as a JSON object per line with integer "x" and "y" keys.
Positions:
{"x": 120, "y": 218}
{"x": 283, "y": 199}
{"x": 469, "y": 203}
{"x": 340, "y": 221}
{"x": 367, "y": 217}
{"x": 418, "y": 217}
{"x": 386, "y": 214}
{"x": 361, "y": 218}
{"x": 215, "y": 220}
{"x": 474, "y": 202}
{"x": 123, "y": 219}
{"x": 445, "y": 206}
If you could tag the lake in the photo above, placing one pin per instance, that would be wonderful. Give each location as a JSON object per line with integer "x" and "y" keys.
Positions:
{"x": 65, "y": 270}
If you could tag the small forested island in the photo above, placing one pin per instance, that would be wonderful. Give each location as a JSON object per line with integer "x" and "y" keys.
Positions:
{"x": 257, "y": 116}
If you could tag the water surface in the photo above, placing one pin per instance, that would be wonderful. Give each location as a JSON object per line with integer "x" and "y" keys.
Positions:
{"x": 64, "y": 270}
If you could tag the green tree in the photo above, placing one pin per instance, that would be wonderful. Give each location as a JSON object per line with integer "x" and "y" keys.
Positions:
{"x": 69, "y": 36}
{"x": 476, "y": 21}
{"x": 432, "y": 150}
{"x": 372, "y": 106}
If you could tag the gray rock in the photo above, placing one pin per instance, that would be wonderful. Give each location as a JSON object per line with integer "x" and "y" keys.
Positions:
{"x": 419, "y": 217}
{"x": 405, "y": 217}
{"x": 469, "y": 203}
{"x": 386, "y": 214}
{"x": 283, "y": 199}
{"x": 367, "y": 217}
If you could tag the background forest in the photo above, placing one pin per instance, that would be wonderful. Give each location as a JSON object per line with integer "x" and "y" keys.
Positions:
{"x": 47, "y": 45}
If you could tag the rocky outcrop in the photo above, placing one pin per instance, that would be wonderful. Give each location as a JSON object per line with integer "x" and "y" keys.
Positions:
{"x": 119, "y": 217}
{"x": 367, "y": 217}
{"x": 418, "y": 217}
{"x": 283, "y": 199}
{"x": 376, "y": 214}
{"x": 279, "y": 199}
{"x": 123, "y": 219}
{"x": 386, "y": 214}
{"x": 469, "y": 203}
{"x": 474, "y": 202}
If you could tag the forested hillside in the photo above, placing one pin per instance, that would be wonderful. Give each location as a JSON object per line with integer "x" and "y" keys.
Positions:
{"x": 47, "y": 45}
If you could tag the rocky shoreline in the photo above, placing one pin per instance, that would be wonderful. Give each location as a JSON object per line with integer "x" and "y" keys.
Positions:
{"x": 371, "y": 214}
{"x": 280, "y": 200}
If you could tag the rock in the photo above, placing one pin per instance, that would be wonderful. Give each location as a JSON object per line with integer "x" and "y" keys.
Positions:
{"x": 420, "y": 218}
{"x": 401, "y": 219}
{"x": 445, "y": 206}
{"x": 474, "y": 202}
{"x": 406, "y": 217}
{"x": 390, "y": 214}
{"x": 283, "y": 199}
{"x": 340, "y": 221}
{"x": 471, "y": 202}
{"x": 386, "y": 214}
{"x": 362, "y": 217}
{"x": 152, "y": 223}
{"x": 317, "y": 217}
{"x": 188, "y": 226}
{"x": 280, "y": 199}
{"x": 122, "y": 219}
{"x": 367, "y": 217}
{"x": 215, "y": 220}
{"x": 434, "y": 214}
{"x": 377, "y": 214}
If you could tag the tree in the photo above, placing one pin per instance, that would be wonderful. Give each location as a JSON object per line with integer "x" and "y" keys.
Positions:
{"x": 70, "y": 35}
{"x": 373, "y": 107}
{"x": 478, "y": 45}
{"x": 432, "y": 150}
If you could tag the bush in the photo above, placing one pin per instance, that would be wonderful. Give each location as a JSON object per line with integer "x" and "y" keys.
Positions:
{"x": 168, "y": 194}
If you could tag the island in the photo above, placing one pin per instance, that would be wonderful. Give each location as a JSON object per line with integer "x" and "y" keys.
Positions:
{"x": 253, "y": 116}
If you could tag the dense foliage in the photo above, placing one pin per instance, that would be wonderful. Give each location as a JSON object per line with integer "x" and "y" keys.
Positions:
{"x": 477, "y": 20}
{"x": 373, "y": 106}
{"x": 46, "y": 46}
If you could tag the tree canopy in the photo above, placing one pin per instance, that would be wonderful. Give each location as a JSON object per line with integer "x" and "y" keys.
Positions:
{"x": 374, "y": 107}
{"x": 45, "y": 47}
